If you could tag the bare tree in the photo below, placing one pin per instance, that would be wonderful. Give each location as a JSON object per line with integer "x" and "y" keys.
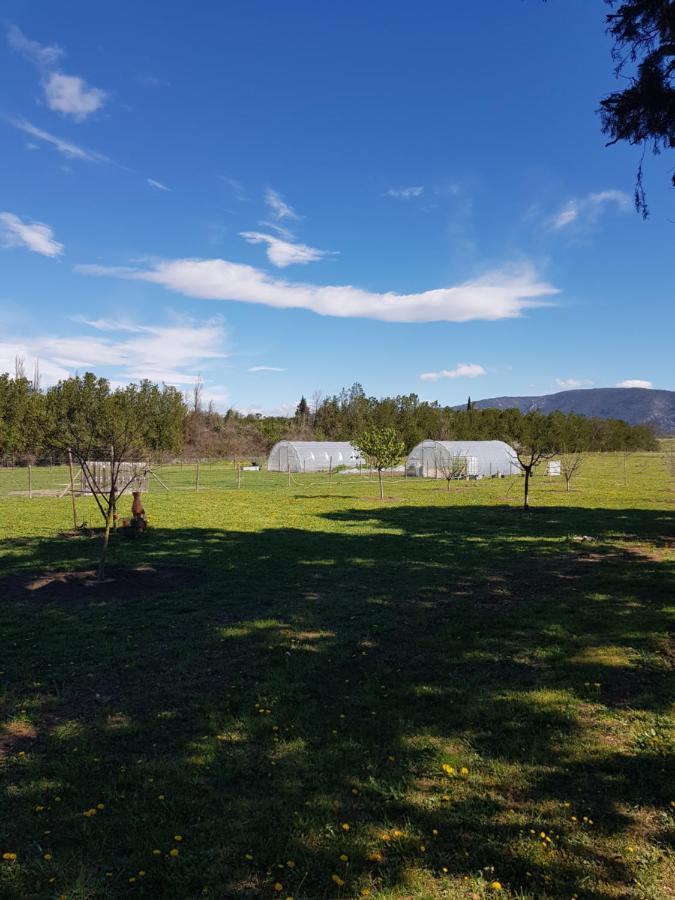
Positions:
{"x": 452, "y": 466}
{"x": 36, "y": 377}
{"x": 19, "y": 368}
{"x": 197, "y": 391}
{"x": 570, "y": 465}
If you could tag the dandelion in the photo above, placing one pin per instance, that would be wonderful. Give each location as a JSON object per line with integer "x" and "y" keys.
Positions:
{"x": 47, "y": 856}
{"x": 423, "y": 849}
{"x": 337, "y": 880}
{"x": 174, "y": 852}
{"x": 464, "y": 771}
{"x": 248, "y": 856}
{"x": 291, "y": 864}
{"x": 141, "y": 874}
{"x": 448, "y": 769}
{"x": 495, "y": 886}
{"x": 630, "y": 849}
{"x": 178, "y": 837}
{"x": 345, "y": 826}
{"x": 344, "y": 857}
{"x": 397, "y": 833}
{"x": 434, "y": 831}
{"x": 278, "y": 887}
{"x": 156, "y": 852}
{"x": 100, "y": 806}
{"x": 354, "y": 792}
{"x": 375, "y": 856}
{"x": 445, "y": 798}
{"x": 161, "y": 797}
{"x": 39, "y": 808}
{"x": 9, "y": 857}
{"x": 444, "y": 870}
{"x": 132, "y": 880}
{"x": 365, "y": 892}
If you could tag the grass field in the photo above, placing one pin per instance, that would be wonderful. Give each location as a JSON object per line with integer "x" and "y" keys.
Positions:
{"x": 319, "y": 695}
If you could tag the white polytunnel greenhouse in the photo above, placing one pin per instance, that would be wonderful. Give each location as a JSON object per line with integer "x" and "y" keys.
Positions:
{"x": 313, "y": 456}
{"x": 468, "y": 459}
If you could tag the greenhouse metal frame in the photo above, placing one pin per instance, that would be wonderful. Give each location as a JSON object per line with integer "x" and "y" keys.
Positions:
{"x": 484, "y": 459}
{"x": 313, "y": 456}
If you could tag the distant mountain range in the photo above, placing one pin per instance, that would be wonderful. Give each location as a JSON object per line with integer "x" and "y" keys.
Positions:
{"x": 637, "y": 406}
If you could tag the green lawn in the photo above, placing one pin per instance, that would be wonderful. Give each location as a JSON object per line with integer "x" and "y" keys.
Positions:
{"x": 326, "y": 696}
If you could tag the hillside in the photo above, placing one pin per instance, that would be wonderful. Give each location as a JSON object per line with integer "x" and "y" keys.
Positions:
{"x": 637, "y": 406}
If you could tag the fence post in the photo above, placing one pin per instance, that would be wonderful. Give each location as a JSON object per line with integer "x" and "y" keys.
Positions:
{"x": 30, "y": 482}
{"x": 197, "y": 477}
{"x": 330, "y": 470}
{"x": 238, "y": 475}
{"x": 288, "y": 465}
{"x": 72, "y": 488}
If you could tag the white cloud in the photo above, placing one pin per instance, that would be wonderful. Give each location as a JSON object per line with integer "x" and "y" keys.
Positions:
{"x": 278, "y": 205}
{"x": 569, "y": 384}
{"x": 70, "y": 95}
{"x": 157, "y": 184}
{"x": 587, "y": 210}
{"x": 500, "y": 294}
{"x": 284, "y": 253}
{"x": 37, "y": 236}
{"x": 40, "y": 54}
{"x": 68, "y": 149}
{"x": 266, "y": 369}
{"x": 635, "y": 383}
{"x": 462, "y": 370}
{"x": 406, "y": 193}
{"x": 173, "y": 353}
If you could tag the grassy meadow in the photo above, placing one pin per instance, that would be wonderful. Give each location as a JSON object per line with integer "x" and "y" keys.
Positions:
{"x": 306, "y": 693}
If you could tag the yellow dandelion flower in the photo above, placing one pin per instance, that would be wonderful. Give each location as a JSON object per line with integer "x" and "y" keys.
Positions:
{"x": 9, "y": 857}
{"x": 174, "y": 851}
{"x": 375, "y": 856}
{"x": 448, "y": 769}
{"x": 464, "y": 771}
{"x": 345, "y": 826}
{"x": 248, "y": 856}
{"x": 423, "y": 849}
{"x": 178, "y": 837}
{"x": 132, "y": 880}
{"x": 495, "y": 886}
{"x": 344, "y": 857}
{"x": 161, "y": 797}
{"x": 434, "y": 831}
{"x": 385, "y": 837}
{"x": 445, "y": 798}
{"x": 365, "y": 892}
{"x": 397, "y": 833}
{"x": 337, "y": 880}
{"x": 278, "y": 887}
{"x": 39, "y": 808}
{"x": 444, "y": 870}
{"x": 47, "y": 856}
{"x": 630, "y": 849}
{"x": 141, "y": 874}
{"x": 156, "y": 852}
{"x": 354, "y": 792}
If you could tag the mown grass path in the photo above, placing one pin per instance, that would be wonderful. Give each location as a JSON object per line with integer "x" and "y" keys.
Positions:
{"x": 437, "y": 696}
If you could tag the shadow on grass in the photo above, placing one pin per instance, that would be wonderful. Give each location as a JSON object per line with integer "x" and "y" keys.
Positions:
{"x": 311, "y": 679}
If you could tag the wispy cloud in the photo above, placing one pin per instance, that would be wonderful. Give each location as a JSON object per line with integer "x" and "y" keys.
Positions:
{"x": 36, "y": 236}
{"x": 266, "y": 369}
{"x": 570, "y": 384}
{"x": 234, "y": 185}
{"x": 69, "y": 95}
{"x": 587, "y": 210}
{"x": 284, "y": 253}
{"x": 406, "y": 193}
{"x": 461, "y": 370}
{"x": 40, "y": 54}
{"x": 278, "y": 205}
{"x": 67, "y": 148}
{"x": 635, "y": 383}
{"x": 500, "y": 294}
{"x": 173, "y": 353}
{"x": 157, "y": 184}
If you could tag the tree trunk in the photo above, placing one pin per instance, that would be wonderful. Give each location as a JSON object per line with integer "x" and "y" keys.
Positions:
{"x": 379, "y": 472}
{"x": 100, "y": 574}
{"x": 526, "y": 504}
{"x": 567, "y": 482}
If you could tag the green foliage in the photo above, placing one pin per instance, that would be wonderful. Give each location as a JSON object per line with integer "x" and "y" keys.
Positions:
{"x": 382, "y": 447}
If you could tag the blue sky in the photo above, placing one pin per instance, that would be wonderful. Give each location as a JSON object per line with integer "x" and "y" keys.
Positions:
{"x": 286, "y": 198}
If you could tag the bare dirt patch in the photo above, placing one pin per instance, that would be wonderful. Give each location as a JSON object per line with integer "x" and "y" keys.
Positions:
{"x": 67, "y": 587}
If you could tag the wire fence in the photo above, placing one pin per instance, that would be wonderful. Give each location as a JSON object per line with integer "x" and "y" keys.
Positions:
{"x": 48, "y": 479}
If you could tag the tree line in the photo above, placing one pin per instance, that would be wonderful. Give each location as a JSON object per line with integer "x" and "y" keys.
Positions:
{"x": 33, "y": 422}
